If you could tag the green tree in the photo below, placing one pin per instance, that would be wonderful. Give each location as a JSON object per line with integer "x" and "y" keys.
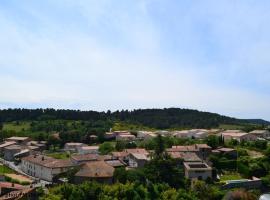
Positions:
{"x": 213, "y": 141}
{"x": 159, "y": 147}
{"x": 106, "y": 148}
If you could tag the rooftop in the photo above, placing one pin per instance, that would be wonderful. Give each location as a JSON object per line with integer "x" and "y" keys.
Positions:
{"x": 115, "y": 163}
{"x": 196, "y": 166}
{"x": 140, "y": 156}
{"x": 259, "y": 131}
{"x": 203, "y": 146}
{"x": 74, "y": 143}
{"x": 186, "y": 156}
{"x": 89, "y": 147}
{"x": 96, "y": 169}
{"x": 223, "y": 149}
{"x": 18, "y": 138}
{"x": 13, "y": 147}
{"x": 234, "y": 134}
{"x": 8, "y": 143}
{"x": 47, "y": 161}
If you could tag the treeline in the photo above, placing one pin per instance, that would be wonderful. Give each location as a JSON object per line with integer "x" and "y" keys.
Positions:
{"x": 155, "y": 118}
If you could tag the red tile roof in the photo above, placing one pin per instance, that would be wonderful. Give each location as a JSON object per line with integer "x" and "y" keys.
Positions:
{"x": 96, "y": 169}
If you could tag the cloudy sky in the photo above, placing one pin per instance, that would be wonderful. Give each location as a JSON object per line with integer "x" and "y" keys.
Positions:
{"x": 124, "y": 54}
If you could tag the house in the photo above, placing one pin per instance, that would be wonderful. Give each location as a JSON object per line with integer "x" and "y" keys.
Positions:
{"x": 40, "y": 144}
{"x": 83, "y": 158}
{"x": 16, "y": 151}
{"x": 261, "y": 133}
{"x": 44, "y": 167}
{"x": 226, "y": 151}
{"x": 238, "y": 136}
{"x": 193, "y": 133}
{"x": 163, "y": 133}
{"x": 185, "y": 156}
{"x": 197, "y": 170}
{"x": 115, "y": 163}
{"x": 125, "y": 137}
{"x": 110, "y": 135}
{"x": 99, "y": 171}
{"x": 202, "y": 150}
{"x": 10, "y": 151}
{"x": 136, "y": 160}
{"x": 5, "y": 144}
{"x": 18, "y": 140}
{"x": 145, "y": 135}
{"x": 182, "y": 134}
{"x": 254, "y": 183}
{"x": 72, "y": 146}
{"x": 88, "y": 149}
{"x": 123, "y": 155}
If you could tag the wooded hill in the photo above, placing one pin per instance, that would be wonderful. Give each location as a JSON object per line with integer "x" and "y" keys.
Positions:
{"x": 167, "y": 118}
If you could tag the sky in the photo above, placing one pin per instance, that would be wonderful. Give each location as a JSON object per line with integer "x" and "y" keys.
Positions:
{"x": 126, "y": 54}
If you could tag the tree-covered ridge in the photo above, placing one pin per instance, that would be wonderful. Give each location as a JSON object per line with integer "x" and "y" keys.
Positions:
{"x": 167, "y": 118}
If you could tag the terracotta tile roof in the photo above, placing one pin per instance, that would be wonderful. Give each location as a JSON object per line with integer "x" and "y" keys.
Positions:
{"x": 11, "y": 147}
{"x": 137, "y": 150}
{"x": 8, "y": 143}
{"x": 234, "y": 134}
{"x": 203, "y": 146}
{"x": 89, "y": 147}
{"x": 186, "y": 156}
{"x": 96, "y": 169}
{"x": 115, "y": 163}
{"x": 90, "y": 157}
{"x": 18, "y": 138}
{"x": 119, "y": 154}
{"x": 140, "y": 156}
{"x": 184, "y": 148}
{"x": 124, "y": 153}
{"x": 48, "y": 162}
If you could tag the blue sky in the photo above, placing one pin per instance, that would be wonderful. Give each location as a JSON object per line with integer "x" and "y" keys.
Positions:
{"x": 208, "y": 55}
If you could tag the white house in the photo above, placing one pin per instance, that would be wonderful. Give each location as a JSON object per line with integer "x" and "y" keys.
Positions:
{"x": 239, "y": 136}
{"x": 44, "y": 167}
{"x": 88, "y": 149}
{"x": 72, "y": 146}
{"x": 197, "y": 170}
{"x": 261, "y": 133}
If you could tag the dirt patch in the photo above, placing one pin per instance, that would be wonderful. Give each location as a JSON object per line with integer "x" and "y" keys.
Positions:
{"x": 254, "y": 154}
{"x": 19, "y": 178}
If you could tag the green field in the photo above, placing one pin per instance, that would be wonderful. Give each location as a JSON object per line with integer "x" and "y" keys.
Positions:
{"x": 230, "y": 176}
{"x": 123, "y": 126}
{"x": 5, "y": 170}
{"x": 17, "y": 127}
{"x": 231, "y": 126}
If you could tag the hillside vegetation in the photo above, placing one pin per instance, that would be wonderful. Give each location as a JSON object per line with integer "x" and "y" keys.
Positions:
{"x": 166, "y": 118}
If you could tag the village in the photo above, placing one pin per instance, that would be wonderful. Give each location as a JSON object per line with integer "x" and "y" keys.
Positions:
{"x": 27, "y": 165}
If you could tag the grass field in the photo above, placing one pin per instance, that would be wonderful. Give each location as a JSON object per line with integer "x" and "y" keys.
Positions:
{"x": 122, "y": 126}
{"x": 13, "y": 126}
{"x": 5, "y": 170}
{"x": 231, "y": 126}
{"x": 230, "y": 176}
